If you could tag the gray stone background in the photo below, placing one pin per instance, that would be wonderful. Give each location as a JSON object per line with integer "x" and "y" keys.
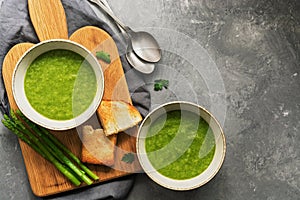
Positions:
{"x": 255, "y": 47}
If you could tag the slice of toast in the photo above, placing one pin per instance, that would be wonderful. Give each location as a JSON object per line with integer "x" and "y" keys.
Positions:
{"x": 97, "y": 148}
{"x": 117, "y": 116}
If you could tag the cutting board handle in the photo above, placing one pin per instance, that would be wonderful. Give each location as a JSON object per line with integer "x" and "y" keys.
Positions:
{"x": 48, "y": 18}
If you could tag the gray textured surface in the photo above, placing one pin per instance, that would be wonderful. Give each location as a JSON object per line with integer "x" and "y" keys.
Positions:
{"x": 255, "y": 45}
{"x": 256, "y": 49}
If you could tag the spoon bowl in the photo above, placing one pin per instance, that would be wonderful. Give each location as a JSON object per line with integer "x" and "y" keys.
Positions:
{"x": 145, "y": 46}
{"x": 139, "y": 64}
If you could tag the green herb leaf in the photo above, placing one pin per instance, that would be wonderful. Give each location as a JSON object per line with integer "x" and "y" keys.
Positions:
{"x": 103, "y": 56}
{"x": 160, "y": 84}
{"x": 128, "y": 158}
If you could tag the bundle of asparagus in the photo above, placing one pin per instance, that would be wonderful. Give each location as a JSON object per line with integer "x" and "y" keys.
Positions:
{"x": 49, "y": 147}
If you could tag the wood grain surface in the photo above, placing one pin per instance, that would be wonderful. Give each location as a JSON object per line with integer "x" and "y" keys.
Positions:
{"x": 44, "y": 178}
{"x": 48, "y": 19}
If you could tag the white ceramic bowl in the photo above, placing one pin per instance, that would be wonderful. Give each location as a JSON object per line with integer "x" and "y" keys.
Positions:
{"x": 202, "y": 178}
{"x": 19, "y": 76}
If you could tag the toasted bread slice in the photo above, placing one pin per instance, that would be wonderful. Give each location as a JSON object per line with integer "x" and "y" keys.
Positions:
{"x": 117, "y": 116}
{"x": 96, "y": 147}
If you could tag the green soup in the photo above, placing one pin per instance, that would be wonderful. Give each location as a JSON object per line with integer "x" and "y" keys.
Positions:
{"x": 180, "y": 145}
{"x": 60, "y": 84}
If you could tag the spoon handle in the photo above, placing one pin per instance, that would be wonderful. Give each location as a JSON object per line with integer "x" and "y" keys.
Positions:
{"x": 105, "y": 3}
{"x": 104, "y": 8}
{"x": 123, "y": 32}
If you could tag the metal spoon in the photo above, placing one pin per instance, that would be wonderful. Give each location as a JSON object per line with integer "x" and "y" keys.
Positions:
{"x": 143, "y": 43}
{"x": 136, "y": 62}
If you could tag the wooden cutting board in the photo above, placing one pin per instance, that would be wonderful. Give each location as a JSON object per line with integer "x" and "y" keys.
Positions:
{"x": 44, "y": 178}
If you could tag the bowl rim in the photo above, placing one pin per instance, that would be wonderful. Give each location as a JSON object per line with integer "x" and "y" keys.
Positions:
{"x": 53, "y": 124}
{"x": 173, "y": 187}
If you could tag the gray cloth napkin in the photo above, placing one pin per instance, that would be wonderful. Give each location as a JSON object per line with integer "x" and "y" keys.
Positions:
{"x": 15, "y": 27}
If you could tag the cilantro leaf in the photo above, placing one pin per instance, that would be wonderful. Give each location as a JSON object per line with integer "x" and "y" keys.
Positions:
{"x": 103, "y": 56}
{"x": 160, "y": 84}
{"x": 128, "y": 158}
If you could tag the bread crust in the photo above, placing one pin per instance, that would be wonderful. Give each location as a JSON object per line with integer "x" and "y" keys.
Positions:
{"x": 117, "y": 116}
{"x": 97, "y": 148}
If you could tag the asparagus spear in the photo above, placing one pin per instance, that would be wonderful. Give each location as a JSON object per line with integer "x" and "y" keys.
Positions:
{"x": 20, "y": 126}
{"x": 56, "y": 150}
{"x": 45, "y": 152}
{"x": 10, "y": 125}
{"x": 37, "y": 128}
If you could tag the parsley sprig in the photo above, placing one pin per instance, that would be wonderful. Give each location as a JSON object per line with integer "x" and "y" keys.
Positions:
{"x": 102, "y": 55}
{"x": 128, "y": 158}
{"x": 160, "y": 84}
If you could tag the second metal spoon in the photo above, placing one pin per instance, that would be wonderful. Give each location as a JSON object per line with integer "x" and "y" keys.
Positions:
{"x": 143, "y": 43}
{"x": 132, "y": 58}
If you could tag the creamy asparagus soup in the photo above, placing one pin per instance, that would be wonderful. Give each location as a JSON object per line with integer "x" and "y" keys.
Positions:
{"x": 180, "y": 144}
{"x": 60, "y": 84}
